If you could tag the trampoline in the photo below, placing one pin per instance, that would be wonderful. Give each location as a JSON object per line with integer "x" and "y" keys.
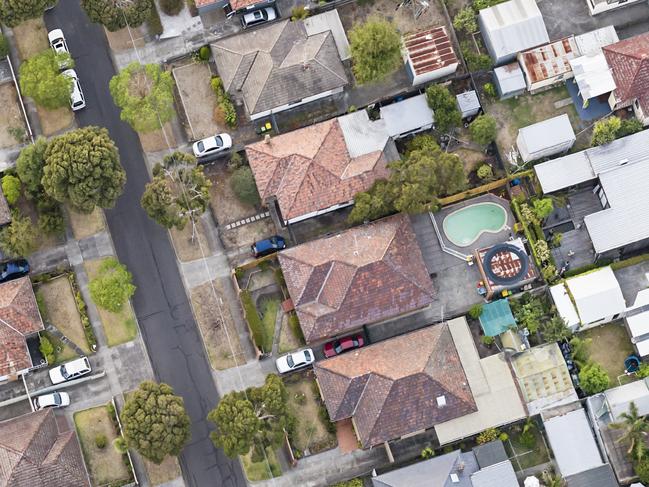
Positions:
{"x": 495, "y": 254}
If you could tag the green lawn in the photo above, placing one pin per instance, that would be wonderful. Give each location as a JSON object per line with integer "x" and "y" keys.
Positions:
{"x": 256, "y": 471}
{"x": 609, "y": 346}
{"x": 261, "y": 320}
{"x": 525, "y": 457}
{"x": 63, "y": 352}
{"x": 268, "y": 308}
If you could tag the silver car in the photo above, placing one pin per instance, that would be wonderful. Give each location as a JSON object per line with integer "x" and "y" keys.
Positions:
{"x": 260, "y": 16}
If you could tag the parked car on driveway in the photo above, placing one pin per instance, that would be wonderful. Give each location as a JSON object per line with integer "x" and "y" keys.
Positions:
{"x": 342, "y": 345}
{"x": 257, "y": 17}
{"x": 268, "y": 246}
{"x": 57, "y": 42}
{"x": 77, "y": 100}
{"x": 70, "y": 370}
{"x": 212, "y": 145}
{"x": 52, "y": 400}
{"x": 13, "y": 269}
{"x": 294, "y": 361}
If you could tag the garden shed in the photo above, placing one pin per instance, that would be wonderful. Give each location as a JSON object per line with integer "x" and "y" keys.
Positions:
{"x": 407, "y": 116}
{"x": 547, "y": 138}
{"x": 468, "y": 103}
{"x": 509, "y": 80}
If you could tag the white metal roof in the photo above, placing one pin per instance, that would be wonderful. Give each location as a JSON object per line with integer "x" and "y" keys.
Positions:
{"x": 362, "y": 135}
{"x": 563, "y": 172}
{"x": 407, "y": 115}
{"x": 593, "y": 41}
{"x": 510, "y": 78}
{"x": 593, "y": 76}
{"x": 513, "y": 26}
{"x": 468, "y": 102}
{"x": 597, "y": 295}
{"x": 638, "y": 324}
{"x": 564, "y": 305}
{"x": 619, "y": 398}
{"x": 572, "y": 442}
{"x": 643, "y": 348}
{"x": 548, "y": 133}
{"x": 625, "y": 151}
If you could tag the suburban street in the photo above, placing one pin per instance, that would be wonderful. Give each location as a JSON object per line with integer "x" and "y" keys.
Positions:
{"x": 161, "y": 304}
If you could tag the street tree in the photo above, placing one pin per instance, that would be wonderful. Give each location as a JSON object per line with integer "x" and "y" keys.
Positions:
{"x": 255, "y": 418}
{"x": 117, "y": 14}
{"x": 634, "y": 429}
{"x": 18, "y": 239}
{"x": 11, "y": 188}
{"x": 82, "y": 168}
{"x": 179, "y": 191}
{"x": 593, "y": 378}
{"x": 483, "y": 129}
{"x": 606, "y": 130}
{"x": 42, "y": 80}
{"x": 145, "y": 95}
{"x": 29, "y": 166}
{"x": 444, "y": 105}
{"x": 155, "y": 421}
{"x": 375, "y": 49}
{"x": 244, "y": 186}
{"x": 113, "y": 285}
{"x": 13, "y": 12}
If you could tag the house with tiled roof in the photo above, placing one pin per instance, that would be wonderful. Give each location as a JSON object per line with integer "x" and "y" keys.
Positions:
{"x": 361, "y": 276}
{"x": 320, "y": 168}
{"x": 284, "y": 64}
{"x": 397, "y": 387}
{"x": 20, "y": 323}
{"x": 35, "y": 453}
{"x": 629, "y": 64}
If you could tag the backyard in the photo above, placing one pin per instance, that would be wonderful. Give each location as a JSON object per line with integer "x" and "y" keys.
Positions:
{"x": 12, "y": 124}
{"x": 86, "y": 224}
{"x": 526, "y": 450}
{"x": 608, "y": 346}
{"x": 118, "y": 327}
{"x": 105, "y": 465}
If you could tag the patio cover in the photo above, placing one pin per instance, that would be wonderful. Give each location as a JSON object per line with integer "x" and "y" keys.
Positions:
{"x": 597, "y": 295}
{"x": 496, "y": 318}
{"x": 407, "y": 115}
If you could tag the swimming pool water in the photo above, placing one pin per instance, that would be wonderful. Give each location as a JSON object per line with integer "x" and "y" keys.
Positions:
{"x": 464, "y": 226}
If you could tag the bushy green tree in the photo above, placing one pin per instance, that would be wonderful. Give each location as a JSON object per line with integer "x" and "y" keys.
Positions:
{"x": 634, "y": 429}
{"x": 483, "y": 129}
{"x": 528, "y": 311}
{"x": 13, "y": 12}
{"x": 555, "y": 329}
{"x": 465, "y": 21}
{"x": 41, "y": 79}
{"x": 376, "y": 202}
{"x": 542, "y": 208}
{"x": 444, "y": 105}
{"x": 115, "y": 14}
{"x": 178, "y": 192}
{"x": 485, "y": 172}
{"x": 605, "y": 130}
{"x": 375, "y": 49}
{"x": 11, "y": 188}
{"x": 145, "y": 95}
{"x": 488, "y": 435}
{"x": 29, "y": 165}
{"x": 82, "y": 167}
{"x": 47, "y": 349}
{"x": 593, "y": 378}
{"x": 18, "y": 239}
{"x": 171, "y": 7}
{"x": 113, "y": 285}
{"x": 244, "y": 187}
{"x": 4, "y": 46}
{"x": 155, "y": 421}
{"x": 256, "y": 418}
{"x": 629, "y": 126}
{"x": 641, "y": 469}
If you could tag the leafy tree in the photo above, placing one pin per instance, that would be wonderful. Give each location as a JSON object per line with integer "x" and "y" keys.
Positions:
{"x": 528, "y": 214}
{"x": 375, "y": 49}
{"x": 481, "y": 4}
{"x": 542, "y": 208}
{"x": 155, "y": 421}
{"x": 29, "y": 165}
{"x": 490, "y": 434}
{"x": 643, "y": 371}
{"x": 171, "y": 7}
{"x": 474, "y": 60}
{"x": 542, "y": 250}
{"x": 11, "y": 188}
{"x": 256, "y": 418}
{"x": 528, "y": 436}
{"x": 42, "y": 80}
{"x": 13, "y": 12}
{"x": 634, "y": 429}
{"x": 115, "y": 14}
{"x": 145, "y": 95}
{"x": 465, "y": 21}
{"x": 113, "y": 285}
{"x": 483, "y": 129}
{"x": 476, "y": 311}
{"x": 485, "y": 172}
{"x": 50, "y": 215}
{"x": 47, "y": 349}
{"x": 490, "y": 90}
{"x": 552, "y": 480}
{"x": 244, "y": 187}
{"x": 4, "y": 46}
{"x": 580, "y": 354}
{"x": 18, "y": 239}
{"x": 593, "y": 378}
{"x": 606, "y": 130}
{"x": 373, "y": 204}
{"x": 444, "y": 105}
{"x": 555, "y": 329}
{"x": 528, "y": 312}
{"x": 628, "y": 127}
{"x": 178, "y": 191}
{"x": 82, "y": 167}
{"x": 641, "y": 469}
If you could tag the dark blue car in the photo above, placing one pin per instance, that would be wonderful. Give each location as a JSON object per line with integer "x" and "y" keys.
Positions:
{"x": 268, "y": 246}
{"x": 13, "y": 269}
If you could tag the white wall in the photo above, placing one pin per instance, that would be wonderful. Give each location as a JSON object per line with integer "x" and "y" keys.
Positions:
{"x": 426, "y": 77}
{"x": 546, "y": 152}
{"x": 598, "y": 8}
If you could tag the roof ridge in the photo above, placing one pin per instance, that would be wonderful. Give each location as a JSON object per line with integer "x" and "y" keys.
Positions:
{"x": 315, "y": 58}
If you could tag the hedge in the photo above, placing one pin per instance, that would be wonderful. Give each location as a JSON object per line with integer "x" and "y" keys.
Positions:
{"x": 629, "y": 262}
{"x": 253, "y": 319}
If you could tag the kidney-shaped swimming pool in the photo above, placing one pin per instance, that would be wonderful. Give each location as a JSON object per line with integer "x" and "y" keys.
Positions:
{"x": 464, "y": 226}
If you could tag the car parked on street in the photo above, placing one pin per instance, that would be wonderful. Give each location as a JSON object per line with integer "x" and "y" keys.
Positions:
{"x": 212, "y": 145}
{"x": 294, "y": 361}
{"x": 257, "y": 17}
{"x": 342, "y": 345}
{"x": 70, "y": 370}
{"x": 13, "y": 269}
{"x": 268, "y": 246}
{"x": 52, "y": 400}
{"x": 77, "y": 100}
{"x": 57, "y": 42}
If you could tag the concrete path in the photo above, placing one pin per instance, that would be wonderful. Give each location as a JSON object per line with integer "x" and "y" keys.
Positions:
{"x": 252, "y": 374}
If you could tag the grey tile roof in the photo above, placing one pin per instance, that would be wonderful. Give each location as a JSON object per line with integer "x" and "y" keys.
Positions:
{"x": 601, "y": 476}
{"x": 434, "y": 472}
{"x": 498, "y": 475}
{"x": 490, "y": 453}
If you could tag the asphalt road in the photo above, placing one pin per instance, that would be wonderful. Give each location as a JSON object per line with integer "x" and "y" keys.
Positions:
{"x": 161, "y": 305}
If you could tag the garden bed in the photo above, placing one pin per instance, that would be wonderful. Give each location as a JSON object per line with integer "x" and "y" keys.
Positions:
{"x": 198, "y": 99}
{"x": 62, "y": 352}
{"x": 225, "y": 205}
{"x": 118, "y": 327}
{"x": 609, "y": 346}
{"x": 261, "y": 318}
{"x": 186, "y": 242}
{"x": 11, "y": 122}
{"x": 43, "y": 241}
{"x": 86, "y": 224}
{"x": 290, "y": 337}
{"x": 264, "y": 470}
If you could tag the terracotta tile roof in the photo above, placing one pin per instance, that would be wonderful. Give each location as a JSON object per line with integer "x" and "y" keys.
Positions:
{"x": 33, "y": 453}
{"x": 391, "y": 389}
{"x": 429, "y": 50}
{"x": 629, "y": 63}
{"x": 366, "y": 274}
{"x": 19, "y": 318}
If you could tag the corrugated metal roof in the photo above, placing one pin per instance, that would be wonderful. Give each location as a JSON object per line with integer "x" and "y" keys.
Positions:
{"x": 407, "y": 115}
{"x": 563, "y": 172}
{"x": 468, "y": 102}
{"x": 597, "y": 295}
{"x": 593, "y": 76}
{"x": 548, "y": 133}
{"x": 513, "y": 26}
{"x": 429, "y": 50}
{"x": 510, "y": 78}
{"x": 550, "y": 60}
{"x": 593, "y": 41}
{"x": 625, "y": 151}
{"x": 619, "y": 398}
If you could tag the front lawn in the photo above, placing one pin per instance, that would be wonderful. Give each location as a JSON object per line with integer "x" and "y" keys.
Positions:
{"x": 609, "y": 346}
{"x": 290, "y": 337}
{"x": 186, "y": 242}
{"x": 31, "y": 37}
{"x": 105, "y": 465}
{"x": 261, "y": 319}
{"x": 62, "y": 352}
{"x": 168, "y": 470}
{"x": 263, "y": 470}
{"x": 118, "y": 327}
{"x": 86, "y": 224}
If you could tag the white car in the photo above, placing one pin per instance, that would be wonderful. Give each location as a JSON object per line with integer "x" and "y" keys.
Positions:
{"x": 260, "y": 16}
{"x": 58, "y": 44}
{"x": 212, "y": 145}
{"x": 53, "y": 400}
{"x": 70, "y": 370}
{"x": 294, "y": 361}
{"x": 77, "y": 100}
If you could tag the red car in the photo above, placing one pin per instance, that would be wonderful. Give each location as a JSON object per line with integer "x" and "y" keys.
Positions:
{"x": 342, "y": 345}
